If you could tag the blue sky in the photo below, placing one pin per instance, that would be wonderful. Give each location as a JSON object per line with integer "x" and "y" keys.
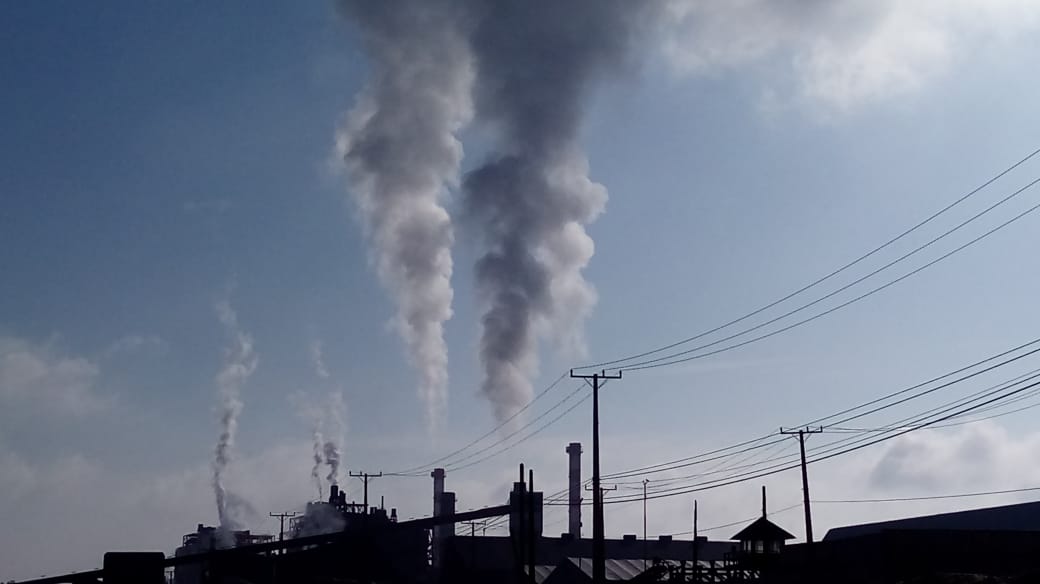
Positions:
{"x": 160, "y": 159}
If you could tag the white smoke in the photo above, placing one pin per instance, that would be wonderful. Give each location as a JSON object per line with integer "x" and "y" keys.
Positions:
{"x": 400, "y": 151}
{"x": 240, "y": 362}
{"x": 317, "y": 350}
{"x": 332, "y": 459}
{"x": 317, "y": 456}
{"x": 328, "y": 429}
{"x": 537, "y": 62}
{"x": 318, "y": 519}
{"x": 334, "y": 412}
{"x": 531, "y": 66}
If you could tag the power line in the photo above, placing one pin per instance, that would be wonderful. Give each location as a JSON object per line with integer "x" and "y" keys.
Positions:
{"x": 735, "y": 523}
{"x": 458, "y": 463}
{"x": 1002, "y": 393}
{"x": 929, "y": 497}
{"x": 819, "y": 280}
{"x": 684, "y": 356}
{"x": 414, "y": 471}
{"x": 832, "y": 449}
{"x": 756, "y": 443}
{"x": 525, "y": 438}
{"x": 417, "y": 470}
{"x": 820, "y": 458}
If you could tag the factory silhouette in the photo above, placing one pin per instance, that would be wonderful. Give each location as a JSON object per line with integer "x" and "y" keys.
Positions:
{"x": 334, "y": 540}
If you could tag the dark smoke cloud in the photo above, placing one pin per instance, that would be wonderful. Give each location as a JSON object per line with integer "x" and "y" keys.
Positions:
{"x": 537, "y": 62}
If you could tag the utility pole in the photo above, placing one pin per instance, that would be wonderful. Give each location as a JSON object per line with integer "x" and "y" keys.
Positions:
{"x": 645, "y": 481}
{"x": 695, "y": 568}
{"x": 473, "y": 526}
{"x": 599, "y": 566}
{"x": 472, "y": 534}
{"x": 364, "y": 476}
{"x": 532, "y": 539}
{"x": 281, "y": 522}
{"x": 801, "y": 433}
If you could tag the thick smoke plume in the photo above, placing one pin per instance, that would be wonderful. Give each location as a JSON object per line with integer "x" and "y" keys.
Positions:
{"x": 317, "y": 456}
{"x": 239, "y": 363}
{"x": 332, "y": 459}
{"x": 327, "y": 430}
{"x": 536, "y": 64}
{"x": 400, "y": 151}
{"x": 334, "y": 414}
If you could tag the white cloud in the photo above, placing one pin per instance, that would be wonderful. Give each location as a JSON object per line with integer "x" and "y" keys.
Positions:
{"x": 840, "y": 53}
{"x": 38, "y": 377}
{"x": 978, "y": 456}
{"x": 133, "y": 343}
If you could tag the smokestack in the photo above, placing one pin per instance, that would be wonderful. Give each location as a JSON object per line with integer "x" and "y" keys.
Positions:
{"x": 439, "y": 531}
{"x": 438, "y": 489}
{"x": 574, "y": 486}
{"x": 763, "y": 500}
{"x": 334, "y": 494}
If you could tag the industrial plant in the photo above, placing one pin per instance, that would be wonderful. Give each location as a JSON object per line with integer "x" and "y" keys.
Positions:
{"x": 334, "y": 540}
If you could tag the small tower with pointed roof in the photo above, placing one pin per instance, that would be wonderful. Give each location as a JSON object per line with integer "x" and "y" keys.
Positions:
{"x": 762, "y": 537}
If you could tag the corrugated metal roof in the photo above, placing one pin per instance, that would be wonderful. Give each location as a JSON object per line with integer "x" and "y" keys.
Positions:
{"x": 617, "y": 569}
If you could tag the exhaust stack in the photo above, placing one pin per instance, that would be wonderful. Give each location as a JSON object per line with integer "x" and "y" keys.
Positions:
{"x": 574, "y": 482}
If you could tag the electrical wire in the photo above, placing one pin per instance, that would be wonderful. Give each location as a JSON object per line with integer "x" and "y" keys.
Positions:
{"x": 929, "y": 497}
{"x": 818, "y": 281}
{"x": 735, "y": 523}
{"x": 830, "y": 447}
{"x": 423, "y": 467}
{"x": 522, "y": 440}
{"x": 920, "y": 420}
{"x": 685, "y": 356}
{"x": 822, "y": 457}
{"x": 773, "y": 439}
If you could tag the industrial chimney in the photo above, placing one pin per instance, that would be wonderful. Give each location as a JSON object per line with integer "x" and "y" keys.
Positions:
{"x": 438, "y": 489}
{"x": 574, "y": 482}
{"x": 439, "y": 531}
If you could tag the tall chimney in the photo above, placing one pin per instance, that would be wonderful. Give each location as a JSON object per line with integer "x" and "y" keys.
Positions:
{"x": 763, "y": 500}
{"x": 574, "y": 482}
{"x": 438, "y": 489}
{"x": 439, "y": 531}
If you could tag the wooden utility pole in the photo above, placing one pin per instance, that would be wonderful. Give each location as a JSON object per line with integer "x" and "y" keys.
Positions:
{"x": 473, "y": 526}
{"x": 599, "y": 566}
{"x": 364, "y": 476}
{"x": 532, "y": 537}
{"x": 801, "y": 433}
{"x": 281, "y": 522}
{"x": 695, "y": 568}
{"x": 645, "y": 481}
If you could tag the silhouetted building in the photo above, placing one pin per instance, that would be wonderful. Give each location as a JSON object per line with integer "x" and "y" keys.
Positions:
{"x": 994, "y": 544}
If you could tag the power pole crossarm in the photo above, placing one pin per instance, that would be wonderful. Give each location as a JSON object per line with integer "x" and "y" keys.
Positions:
{"x": 364, "y": 476}
{"x": 281, "y": 522}
{"x": 599, "y": 565}
{"x": 802, "y": 433}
